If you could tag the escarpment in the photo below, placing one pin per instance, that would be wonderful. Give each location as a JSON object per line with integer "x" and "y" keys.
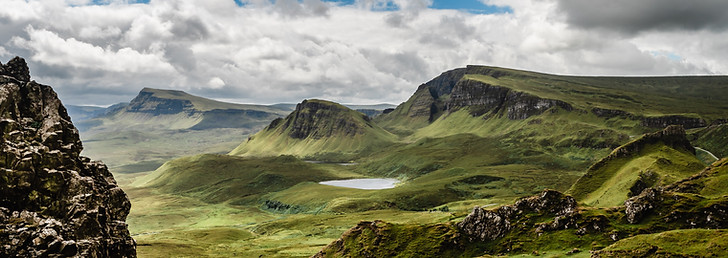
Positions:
{"x": 318, "y": 119}
{"x": 482, "y": 98}
{"x": 147, "y": 102}
{"x": 53, "y": 202}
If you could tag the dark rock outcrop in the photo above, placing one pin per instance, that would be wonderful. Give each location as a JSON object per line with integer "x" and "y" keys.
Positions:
{"x": 678, "y": 210}
{"x": 147, "y": 102}
{"x": 319, "y": 119}
{"x": 53, "y": 202}
{"x": 610, "y": 113}
{"x": 663, "y": 121}
{"x": 482, "y": 98}
{"x": 486, "y": 225}
{"x": 430, "y": 101}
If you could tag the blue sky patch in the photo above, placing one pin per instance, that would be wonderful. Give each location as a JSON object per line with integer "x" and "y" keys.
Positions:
{"x": 471, "y": 6}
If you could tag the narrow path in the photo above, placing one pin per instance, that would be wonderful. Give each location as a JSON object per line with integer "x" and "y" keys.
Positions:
{"x": 711, "y": 154}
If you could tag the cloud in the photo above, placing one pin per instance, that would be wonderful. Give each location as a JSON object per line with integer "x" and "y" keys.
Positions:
{"x": 284, "y": 51}
{"x": 49, "y": 48}
{"x": 629, "y": 16}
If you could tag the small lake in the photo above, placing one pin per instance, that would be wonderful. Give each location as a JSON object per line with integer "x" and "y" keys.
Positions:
{"x": 364, "y": 183}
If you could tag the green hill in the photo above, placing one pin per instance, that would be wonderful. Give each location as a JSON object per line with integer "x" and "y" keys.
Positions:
{"x": 713, "y": 138}
{"x": 656, "y": 159}
{"x": 650, "y": 100}
{"x": 316, "y": 128}
{"x": 223, "y": 178}
{"x": 711, "y": 182}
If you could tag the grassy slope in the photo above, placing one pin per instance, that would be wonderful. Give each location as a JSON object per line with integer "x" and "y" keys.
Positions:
{"x": 667, "y": 163}
{"x": 608, "y": 183}
{"x": 714, "y": 139}
{"x": 139, "y": 151}
{"x": 276, "y": 140}
{"x": 223, "y": 178}
{"x": 677, "y": 243}
{"x": 712, "y": 182}
{"x": 453, "y": 150}
{"x": 649, "y": 96}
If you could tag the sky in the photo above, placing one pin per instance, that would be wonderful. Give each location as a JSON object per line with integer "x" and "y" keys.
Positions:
{"x": 101, "y": 52}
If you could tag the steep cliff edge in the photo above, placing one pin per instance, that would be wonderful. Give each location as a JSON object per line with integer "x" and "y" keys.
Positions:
{"x": 316, "y": 127}
{"x": 53, "y": 202}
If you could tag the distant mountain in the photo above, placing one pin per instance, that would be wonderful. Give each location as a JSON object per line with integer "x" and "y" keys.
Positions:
{"x": 172, "y": 109}
{"x": 81, "y": 113}
{"x": 316, "y": 127}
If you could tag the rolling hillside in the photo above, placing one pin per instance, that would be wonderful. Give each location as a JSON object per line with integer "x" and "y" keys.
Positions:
{"x": 473, "y": 136}
{"x": 158, "y": 125}
{"x": 653, "y": 160}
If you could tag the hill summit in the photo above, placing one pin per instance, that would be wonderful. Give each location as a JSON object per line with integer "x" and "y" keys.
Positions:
{"x": 315, "y": 127}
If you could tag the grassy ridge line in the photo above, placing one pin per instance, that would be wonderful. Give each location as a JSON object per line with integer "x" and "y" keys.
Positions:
{"x": 649, "y": 96}
{"x": 205, "y": 104}
{"x": 655, "y": 159}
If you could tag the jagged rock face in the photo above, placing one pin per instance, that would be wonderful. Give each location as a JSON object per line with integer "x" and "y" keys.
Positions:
{"x": 146, "y": 102}
{"x": 430, "y": 100}
{"x": 317, "y": 119}
{"x": 53, "y": 202}
{"x": 486, "y": 225}
{"x": 663, "y": 121}
{"x": 685, "y": 211}
{"x": 482, "y": 98}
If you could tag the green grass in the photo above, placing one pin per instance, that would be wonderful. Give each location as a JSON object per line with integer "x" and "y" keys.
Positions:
{"x": 223, "y": 178}
{"x": 138, "y": 151}
{"x": 675, "y": 243}
{"x": 213, "y": 205}
{"x": 713, "y": 139}
{"x": 651, "y": 160}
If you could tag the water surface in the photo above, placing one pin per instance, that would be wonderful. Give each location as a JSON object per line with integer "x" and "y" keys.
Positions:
{"x": 364, "y": 183}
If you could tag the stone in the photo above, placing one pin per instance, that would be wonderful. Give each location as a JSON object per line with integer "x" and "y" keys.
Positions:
{"x": 41, "y": 175}
{"x": 487, "y": 225}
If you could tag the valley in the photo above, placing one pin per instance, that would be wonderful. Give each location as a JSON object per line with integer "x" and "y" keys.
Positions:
{"x": 472, "y": 137}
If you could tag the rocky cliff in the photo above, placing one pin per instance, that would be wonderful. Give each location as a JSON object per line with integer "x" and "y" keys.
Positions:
{"x": 148, "y": 102}
{"x": 487, "y": 225}
{"x": 450, "y": 92}
{"x": 482, "y": 98}
{"x": 53, "y": 202}
{"x": 319, "y": 119}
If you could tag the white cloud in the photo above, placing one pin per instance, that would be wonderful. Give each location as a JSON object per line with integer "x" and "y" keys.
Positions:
{"x": 289, "y": 50}
{"x": 216, "y": 83}
{"x": 51, "y": 49}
